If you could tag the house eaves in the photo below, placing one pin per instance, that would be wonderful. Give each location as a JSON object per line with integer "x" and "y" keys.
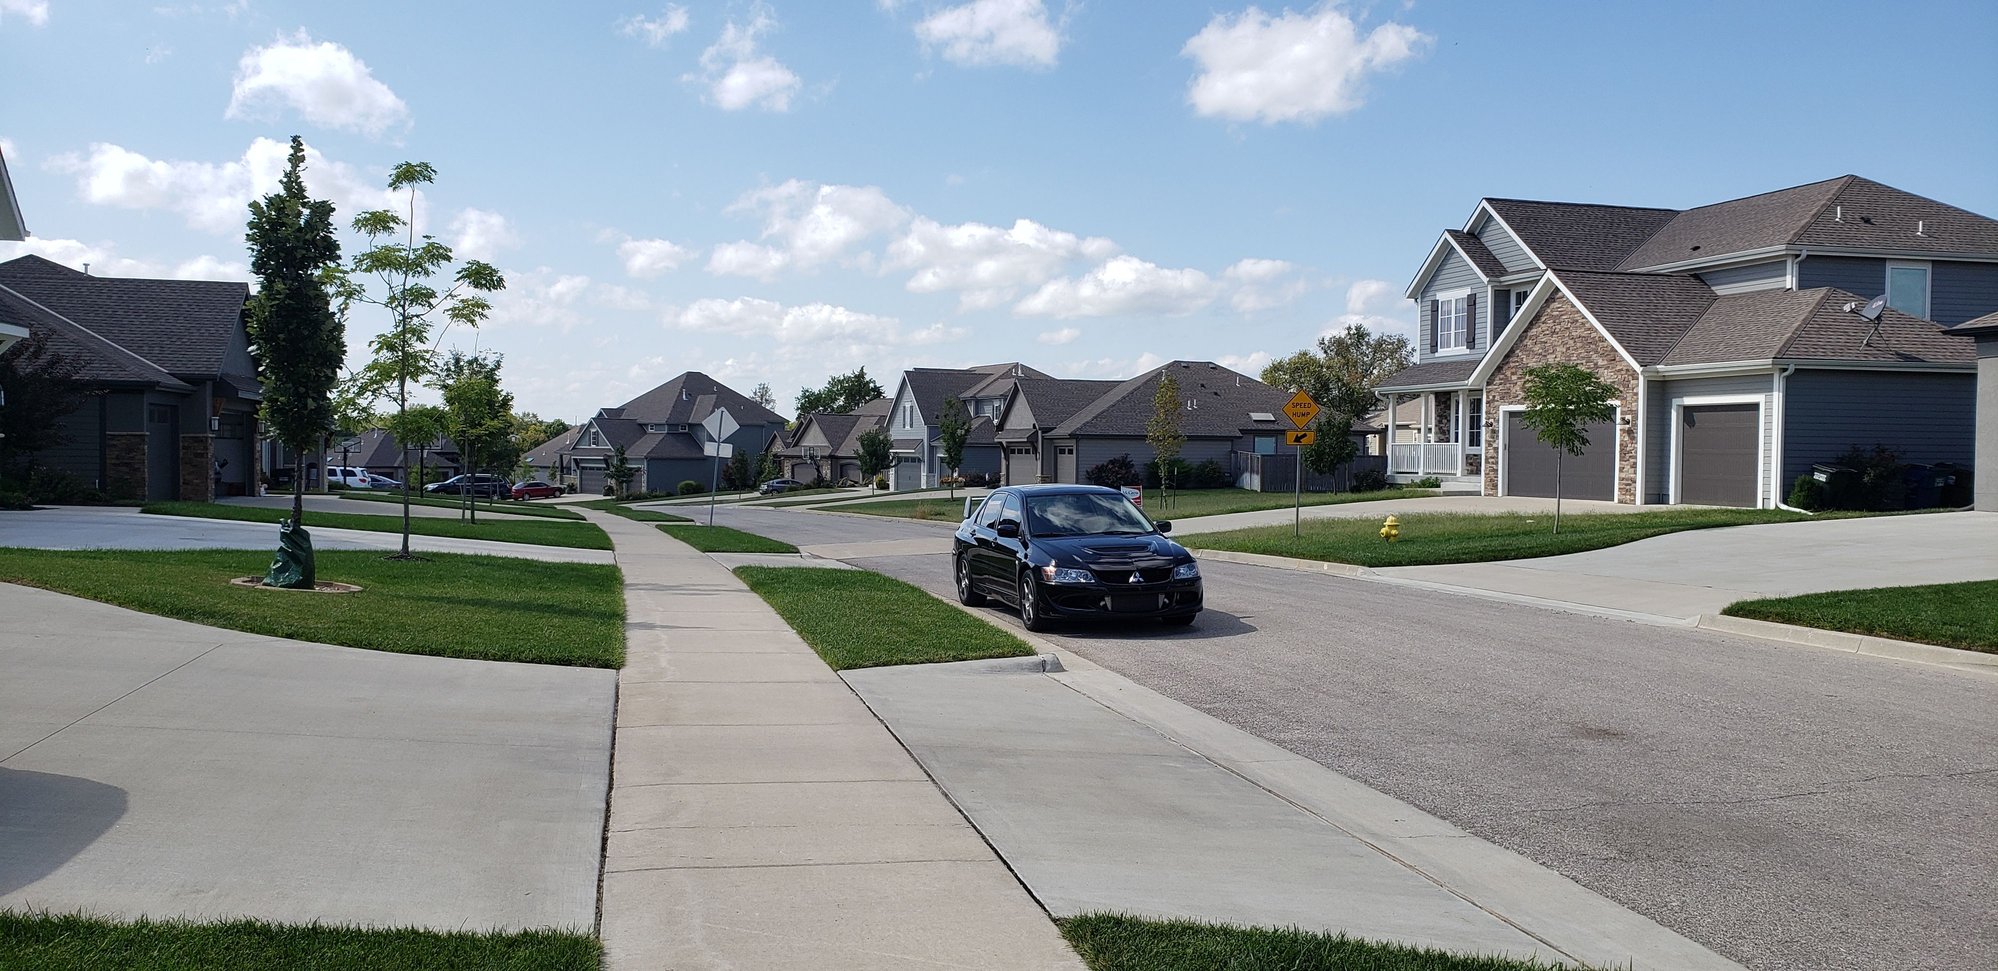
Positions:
{"x": 1445, "y": 245}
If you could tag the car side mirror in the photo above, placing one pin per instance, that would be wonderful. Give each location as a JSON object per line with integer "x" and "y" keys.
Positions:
{"x": 1163, "y": 525}
{"x": 1007, "y": 529}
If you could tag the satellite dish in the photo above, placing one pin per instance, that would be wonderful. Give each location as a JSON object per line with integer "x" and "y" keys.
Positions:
{"x": 1873, "y": 308}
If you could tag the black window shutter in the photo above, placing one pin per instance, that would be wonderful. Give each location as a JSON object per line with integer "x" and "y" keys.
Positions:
{"x": 1432, "y": 326}
{"x": 1471, "y": 320}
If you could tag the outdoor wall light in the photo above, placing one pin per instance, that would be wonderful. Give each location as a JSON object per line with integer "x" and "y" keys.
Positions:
{"x": 214, "y": 423}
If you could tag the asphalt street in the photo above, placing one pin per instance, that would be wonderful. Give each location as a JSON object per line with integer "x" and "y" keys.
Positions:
{"x": 1789, "y": 807}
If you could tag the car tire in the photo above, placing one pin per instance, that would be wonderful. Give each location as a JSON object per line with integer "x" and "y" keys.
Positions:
{"x": 966, "y": 594}
{"x": 1030, "y": 604}
{"x": 1180, "y": 621}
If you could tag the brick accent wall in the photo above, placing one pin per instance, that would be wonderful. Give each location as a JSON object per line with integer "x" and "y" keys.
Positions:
{"x": 1559, "y": 334}
{"x": 197, "y": 469}
{"x": 125, "y": 465}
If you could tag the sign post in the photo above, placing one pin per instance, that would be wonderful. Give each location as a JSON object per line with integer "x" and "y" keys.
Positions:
{"x": 720, "y": 425}
{"x": 1300, "y": 409}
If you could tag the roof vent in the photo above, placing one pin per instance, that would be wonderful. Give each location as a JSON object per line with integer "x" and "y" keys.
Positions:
{"x": 1696, "y": 247}
{"x": 1921, "y": 227}
{"x": 1838, "y": 214}
{"x": 1867, "y": 220}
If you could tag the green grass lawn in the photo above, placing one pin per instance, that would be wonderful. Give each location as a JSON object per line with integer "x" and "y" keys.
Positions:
{"x": 1960, "y": 615}
{"x": 858, "y": 619}
{"x": 1112, "y": 942}
{"x": 1433, "y": 537}
{"x": 576, "y": 535}
{"x": 494, "y": 608}
{"x": 1188, "y": 504}
{"x": 515, "y": 508}
{"x": 46, "y": 942}
{"x": 642, "y": 515}
{"x": 722, "y": 539}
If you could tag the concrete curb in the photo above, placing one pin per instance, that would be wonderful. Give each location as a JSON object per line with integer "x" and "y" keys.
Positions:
{"x": 1284, "y": 563}
{"x": 1832, "y": 640}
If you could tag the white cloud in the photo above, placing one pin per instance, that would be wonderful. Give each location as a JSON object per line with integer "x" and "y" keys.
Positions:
{"x": 655, "y": 31}
{"x": 810, "y": 323}
{"x": 1291, "y": 67}
{"x": 7, "y": 149}
{"x": 35, "y": 12}
{"x": 104, "y": 260}
{"x": 540, "y": 297}
{"x": 1123, "y": 285}
{"x": 988, "y": 32}
{"x": 158, "y": 53}
{"x": 737, "y": 75}
{"x": 209, "y": 268}
{"x": 806, "y": 224}
{"x": 988, "y": 265}
{"x": 1250, "y": 364}
{"x": 1376, "y": 305}
{"x": 481, "y": 235}
{"x": 1365, "y": 294}
{"x": 213, "y": 196}
{"x": 937, "y": 333}
{"x": 1112, "y": 367}
{"x": 613, "y": 296}
{"x": 324, "y": 82}
{"x": 1066, "y": 335}
{"x": 651, "y": 257}
{"x": 1263, "y": 284}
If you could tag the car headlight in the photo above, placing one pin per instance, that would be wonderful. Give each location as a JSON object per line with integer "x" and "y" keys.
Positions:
{"x": 1186, "y": 571}
{"x": 1062, "y": 574}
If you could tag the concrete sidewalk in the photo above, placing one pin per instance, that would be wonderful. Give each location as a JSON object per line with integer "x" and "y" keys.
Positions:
{"x": 762, "y": 817}
{"x": 125, "y": 528}
{"x": 152, "y": 767}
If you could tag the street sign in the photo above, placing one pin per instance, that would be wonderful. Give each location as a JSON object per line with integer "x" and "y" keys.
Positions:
{"x": 1300, "y": 409}
{"x": 1300, "y": 438}
{"x": 720, "y": 450}
{"x": 720, "y": 425}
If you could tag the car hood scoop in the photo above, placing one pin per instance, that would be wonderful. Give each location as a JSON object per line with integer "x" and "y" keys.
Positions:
{"x": 1117, "y": 550}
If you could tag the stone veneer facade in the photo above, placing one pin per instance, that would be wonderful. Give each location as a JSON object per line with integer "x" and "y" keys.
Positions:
{"x": 197, "y": 470}
{"x": 1559, "y": 334}
{"x": 125, "y": 465}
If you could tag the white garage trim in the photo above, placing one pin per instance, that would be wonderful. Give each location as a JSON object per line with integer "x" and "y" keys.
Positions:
{"x": 1761, "y": 403}
{"x": 1616, "y": 461}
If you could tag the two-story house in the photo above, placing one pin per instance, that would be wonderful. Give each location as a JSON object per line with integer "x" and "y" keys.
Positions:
{"x": 918, "y": 407}
{"x": 1056, "y": 431}
{"x": 662, "y": 435}
{"x": 1735, "y": 333}
{"x": 827, "y": 445}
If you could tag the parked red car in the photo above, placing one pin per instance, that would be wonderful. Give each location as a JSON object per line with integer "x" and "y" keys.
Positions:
{"x": 535, "y": 489}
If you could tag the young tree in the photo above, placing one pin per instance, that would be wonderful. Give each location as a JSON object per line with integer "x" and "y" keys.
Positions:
{"x": 740, "y": 472}
{"x": 1562, "y": 400}
{"x": 876, "y": 451}
{"x": 619, "y": 471}
{"x": 38, "y": 388}
{"x": 298, "y": 341}
{"x": 404, "y": 268}
{"x": 762, "y": 395}
{"x": 953, "y": 428}
{"x": 1341, "y": 376}
{"x": 478, "y": 415}
{"x": 530, "y": 430}
{"x": 841, "y": 395}
{"x": 772, "y": 469}
{"x": 1163, "y": 431}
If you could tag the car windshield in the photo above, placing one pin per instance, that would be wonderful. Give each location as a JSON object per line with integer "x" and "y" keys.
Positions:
{"x": 1085, "y": 514}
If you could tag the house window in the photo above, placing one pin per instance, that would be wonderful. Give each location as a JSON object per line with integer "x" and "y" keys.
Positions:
{"x": 1908, "y": 288}
{"x": 1518, "y": 302}
{"x": 1474, "y": 423}
{"x": 909, "y": 414}
{"x": 1265, "y": 445}
{"x": 1451, "y": 325}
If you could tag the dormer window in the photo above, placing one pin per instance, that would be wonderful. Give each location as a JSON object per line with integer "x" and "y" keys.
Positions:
{"x": 1452, "y": 324}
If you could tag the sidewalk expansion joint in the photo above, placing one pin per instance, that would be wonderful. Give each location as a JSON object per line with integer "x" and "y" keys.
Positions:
{"x": 796, "y": 866}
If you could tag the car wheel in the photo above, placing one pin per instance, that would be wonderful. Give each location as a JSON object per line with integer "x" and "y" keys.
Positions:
{"x": 966, "y": 594}
{"x": 1030, "y": 604}
{"x": 1179, "y": 621}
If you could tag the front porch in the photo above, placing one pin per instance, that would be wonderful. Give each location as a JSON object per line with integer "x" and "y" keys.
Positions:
{"x": 1437, "y": 433}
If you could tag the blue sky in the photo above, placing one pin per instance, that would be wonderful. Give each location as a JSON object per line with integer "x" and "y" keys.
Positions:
{"x": 776, "y": 191}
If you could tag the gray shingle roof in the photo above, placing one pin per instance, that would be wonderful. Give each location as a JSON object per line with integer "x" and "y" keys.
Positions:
{"x": 1977, "y": 325}
{"x": 1579, "y": 236}
{"x": 1647, "y": 313}
{"x": 1831, "y": 333}
{"x": 184, "y": 326}
{"x": 101, "y": 361}
{"x": 1848, "y": 212}
{"x": 1056, "y": 400}
{"x": 1480, "y": 256}
{"x": 931, "y": 387}
{"x": 689, "y": 399}
{"x": 544, "y": 454}
{"x": 981, "y": 433}
{"x": 1432, "y": 373}
{"x": 1224, "y": 398}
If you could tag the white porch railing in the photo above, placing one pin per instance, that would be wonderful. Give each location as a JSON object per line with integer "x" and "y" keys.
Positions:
{"x": 1429, "y": 458}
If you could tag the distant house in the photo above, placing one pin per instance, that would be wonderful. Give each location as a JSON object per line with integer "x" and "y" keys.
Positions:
{"x": 1036, "y": 407}
{"x": 661, "y": 434}
{"x": 378, "y": 452}
{"x": 177, "y": 416}
{"x": 1730, "y": 331}
{"x": 827, "y": 444}
{"x": 918, "y": 406}
{"x": 548, "y": 460}
{"x": 1225, "y": 416}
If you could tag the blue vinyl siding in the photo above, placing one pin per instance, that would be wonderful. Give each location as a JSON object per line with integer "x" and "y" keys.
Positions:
{"x": 1747, "y": 279}
{"x": 1925, "y": 418}
{"x": 1454, "y": 275}
{"x": 1658, "y": 398}
{"x": 1957, "y": 291}
{"x": 1504, "y": 246}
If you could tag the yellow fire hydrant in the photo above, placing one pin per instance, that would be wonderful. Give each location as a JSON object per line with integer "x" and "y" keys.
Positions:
{"x": 1391, "y": 529}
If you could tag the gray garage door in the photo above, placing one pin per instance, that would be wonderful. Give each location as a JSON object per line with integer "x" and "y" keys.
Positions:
{"x": 1529, "y": 465}
{"x": 590, "y": 480}
{"x": 1717, "y": 454}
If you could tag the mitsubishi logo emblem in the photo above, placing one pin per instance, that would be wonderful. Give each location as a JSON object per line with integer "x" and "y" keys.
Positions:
{"x": 1136, "y": 577}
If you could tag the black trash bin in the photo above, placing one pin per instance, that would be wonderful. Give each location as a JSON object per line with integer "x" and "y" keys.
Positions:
{"x": 1920, "y": 487}
{"x": 1844, "y": 487}
{"x": 1953, "y": 485}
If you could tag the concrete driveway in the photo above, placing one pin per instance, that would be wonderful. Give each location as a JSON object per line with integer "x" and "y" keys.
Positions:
{"x": 124, "y": 528}
{"x": 154, "y": 767}
{"x": 1701, "y": 571}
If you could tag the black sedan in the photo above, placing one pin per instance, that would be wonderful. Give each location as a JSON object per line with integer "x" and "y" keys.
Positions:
{"x": 1065, "y": 551}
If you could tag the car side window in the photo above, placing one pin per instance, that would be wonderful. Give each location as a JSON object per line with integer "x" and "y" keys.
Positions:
{"x": 1012, "y": 511}
{"x": 989, "y": 512}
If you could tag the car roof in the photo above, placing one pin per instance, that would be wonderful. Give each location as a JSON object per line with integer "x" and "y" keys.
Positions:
{"x": 1059, "y": 489}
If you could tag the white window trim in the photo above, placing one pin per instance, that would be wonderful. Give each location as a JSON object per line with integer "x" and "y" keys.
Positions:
{"x": 1616, "y": 468}
{"x": 1473, "y": 433}
{"x": 1928, "y": 283}
{"x": 1465, "y": 348}
{"x": 1761, "y": 403}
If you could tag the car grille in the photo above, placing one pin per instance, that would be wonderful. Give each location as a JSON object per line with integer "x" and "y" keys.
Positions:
{"x": 1151, "y": 575}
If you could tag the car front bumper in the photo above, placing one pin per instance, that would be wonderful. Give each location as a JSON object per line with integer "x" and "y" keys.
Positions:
{"x": 1136, "y": 601}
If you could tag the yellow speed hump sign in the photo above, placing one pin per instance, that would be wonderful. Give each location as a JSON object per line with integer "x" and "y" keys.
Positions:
{"x": 1300, "y": 409}
{"x": 1300, "y": 438}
